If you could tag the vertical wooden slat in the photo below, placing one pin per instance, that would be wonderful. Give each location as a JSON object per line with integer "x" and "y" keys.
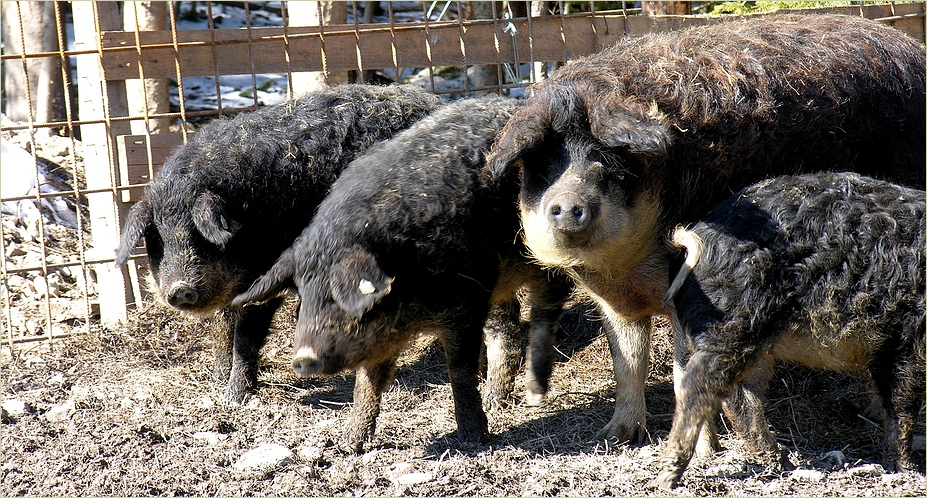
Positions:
{"x": 98, "y": 140}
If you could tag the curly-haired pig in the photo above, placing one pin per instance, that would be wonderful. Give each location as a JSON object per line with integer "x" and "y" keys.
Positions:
{"x": 415, "y": 236}
{"x": 619, "y": 147}
{"x": 229, "y": 201}
{"x": 825, "y": 270}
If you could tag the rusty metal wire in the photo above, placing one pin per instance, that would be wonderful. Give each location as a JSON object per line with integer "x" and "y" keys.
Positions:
{"x": 533, "y": 33}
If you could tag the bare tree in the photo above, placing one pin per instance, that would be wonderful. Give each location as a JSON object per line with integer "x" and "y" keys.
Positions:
{"x": 33, "y": 87}
{"x": 317, "y": 14}
{"x": 149, "y": 96}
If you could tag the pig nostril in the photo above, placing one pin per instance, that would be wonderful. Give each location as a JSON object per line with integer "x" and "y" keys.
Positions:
{"x": 571, "y": 214}
{"x": 181, "y": 294}
{"x": 304, "y": 367}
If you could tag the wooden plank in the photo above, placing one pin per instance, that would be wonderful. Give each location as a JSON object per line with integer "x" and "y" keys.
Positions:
{"x": 484, "y": 42}
{"x": 136, "y": 165}
{"x": 374, "y": 42}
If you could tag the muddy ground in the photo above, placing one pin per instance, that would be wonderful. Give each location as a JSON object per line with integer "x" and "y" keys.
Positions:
{"x": 136, "y": 411}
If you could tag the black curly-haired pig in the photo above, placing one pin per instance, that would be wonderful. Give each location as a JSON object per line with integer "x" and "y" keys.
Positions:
{"x": 825, "y": 270}
{"x": 229, "y": 201}
{"x": 415, "y": 236}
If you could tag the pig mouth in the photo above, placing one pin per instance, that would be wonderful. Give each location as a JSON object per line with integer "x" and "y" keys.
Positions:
{"x": 194, "y": 298}
{"x": 202, "y": 307}
{"x": 571, "y": 240}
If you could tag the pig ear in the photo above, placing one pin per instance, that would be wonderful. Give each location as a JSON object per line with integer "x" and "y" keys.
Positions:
{"x": 357, "y": 282}
{"x": 213, "y": 220}
{"x": 641, "y": 131}
{"x": 525, "y": 131}
{"x": 137, "y": 222}
{"x": 276, "y": 280}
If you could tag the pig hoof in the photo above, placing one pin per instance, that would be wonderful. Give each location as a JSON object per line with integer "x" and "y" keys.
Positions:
{"x": 621, "y": 433}
{"x": 236, "y": 394}
{"x": 707, "y": 444}
{"x": 905, "y": 466}
{"x": 494, "y": 406}
{"x": 535, "y": 399}
{"x": 666, "y": 479}
{"x": 348, "y": 447}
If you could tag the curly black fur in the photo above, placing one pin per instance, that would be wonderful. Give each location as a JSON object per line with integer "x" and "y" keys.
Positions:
{"x": 414, "y": 236}
{"x": 825, "y": 270}
{"x": 619, "y": 147}
{"x": 227, "y": 203}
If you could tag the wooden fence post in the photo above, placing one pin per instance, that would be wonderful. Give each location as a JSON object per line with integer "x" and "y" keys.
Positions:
{"x": 98, "y": 141}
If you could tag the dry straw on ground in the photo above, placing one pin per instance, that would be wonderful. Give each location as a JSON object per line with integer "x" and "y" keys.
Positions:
{"x": 136, "y": 411}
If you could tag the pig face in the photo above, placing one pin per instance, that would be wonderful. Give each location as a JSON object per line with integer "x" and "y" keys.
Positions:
{"x": 186, "y": 237}
{"x": 587, "y": 196}
{"x": 346, "y": 317}
{"x": 583, "y": 203}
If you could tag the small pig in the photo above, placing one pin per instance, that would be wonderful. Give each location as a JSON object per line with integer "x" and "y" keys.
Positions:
{"x": 229, "y": 201}
{"x": 415, "y": 236}
{"x": 824, "y": 270}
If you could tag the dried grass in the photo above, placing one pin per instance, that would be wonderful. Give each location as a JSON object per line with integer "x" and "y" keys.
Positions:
{"x": 149, "y": 420}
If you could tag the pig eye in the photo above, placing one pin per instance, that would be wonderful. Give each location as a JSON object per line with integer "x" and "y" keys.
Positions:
{"x": 615, "y": 164}
{"x": 153, "y": 244}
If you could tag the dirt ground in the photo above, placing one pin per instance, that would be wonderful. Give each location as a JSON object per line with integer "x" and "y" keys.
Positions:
{"x": 137, "y": 411}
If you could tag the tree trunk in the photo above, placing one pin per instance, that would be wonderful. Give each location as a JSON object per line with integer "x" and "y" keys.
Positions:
{"x": 307, "y": 14}
{"x": 541, "y": 70}
{"x": 666, "y": 8}
{"x": 150, "y": 96}
{"x": 45, "y": 88}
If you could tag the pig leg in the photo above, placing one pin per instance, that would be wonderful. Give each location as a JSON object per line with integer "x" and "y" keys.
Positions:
{"x": 462, "y": 353}
{"x": 223, "y": 329}
{"x": 708, "y": 376}
{"x": 629, "y": 343}
{"x": 745, "y": 407}
{"x": 900, "y": 384}
{"x": 250, "y": 331}
{"x": 708, "y": 438}
{"x": 369, "y": 385}
{"x": 502, "y": 334}
{"x": 547, "y": 303}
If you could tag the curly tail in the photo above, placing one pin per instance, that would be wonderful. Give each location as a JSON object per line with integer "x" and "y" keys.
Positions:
{"x": 684, "y": 239}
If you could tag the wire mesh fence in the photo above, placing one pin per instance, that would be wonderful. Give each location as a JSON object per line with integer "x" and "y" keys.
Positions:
{"x": 96, "y": 94}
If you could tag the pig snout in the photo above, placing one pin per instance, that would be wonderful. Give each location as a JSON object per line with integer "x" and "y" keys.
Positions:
{"x": 181, "y": 295}
{"x": 571, "y": 214}
{"x": 306, "y": 362}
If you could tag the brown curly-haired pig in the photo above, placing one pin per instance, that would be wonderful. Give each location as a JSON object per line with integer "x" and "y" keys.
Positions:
{"x": 619, "y": 147}
{"x": 231, "y": 199}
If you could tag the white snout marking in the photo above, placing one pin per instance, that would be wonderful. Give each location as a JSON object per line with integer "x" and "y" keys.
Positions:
{"x": 176, "y": 285}
{"x": 366, "y": 287}
{"x": 305, "y": 353}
